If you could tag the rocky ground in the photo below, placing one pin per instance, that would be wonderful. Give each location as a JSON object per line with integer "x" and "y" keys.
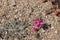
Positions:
{"x": 16, "y": 20}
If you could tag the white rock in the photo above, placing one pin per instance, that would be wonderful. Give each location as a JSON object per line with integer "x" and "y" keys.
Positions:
{"x": 43, "y": 30}
{"x": 43, "y": 39}
{"x": 56, "y": 31}
{"x": 52, "y": 27}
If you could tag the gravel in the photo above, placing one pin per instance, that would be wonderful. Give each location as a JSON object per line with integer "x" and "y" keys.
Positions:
{"x": 16, "y": 20}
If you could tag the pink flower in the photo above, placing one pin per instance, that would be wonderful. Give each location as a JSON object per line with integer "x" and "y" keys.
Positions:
{"x": 36, "y": 23}
{"x": 34, "y": 29}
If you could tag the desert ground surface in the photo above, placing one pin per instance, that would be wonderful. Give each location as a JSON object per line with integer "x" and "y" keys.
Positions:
{"x": 16, "y": 20}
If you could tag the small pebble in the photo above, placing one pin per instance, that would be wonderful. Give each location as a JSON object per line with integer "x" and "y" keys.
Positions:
{"x": 56, "y": 32}
{"x": 16, "y": 39}
{"x": 43, "y": 30}
{"x": 52, "y": 27}
{"x": 1, "y": 39}
{"x": 43, "y": 39}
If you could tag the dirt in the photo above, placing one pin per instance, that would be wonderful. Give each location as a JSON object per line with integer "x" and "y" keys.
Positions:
{"x": 16, "y": 20}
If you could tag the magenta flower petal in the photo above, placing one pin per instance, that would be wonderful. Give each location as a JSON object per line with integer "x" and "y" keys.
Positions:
{"x": 34, "y": 29}
{"x": 38, "y": 26}
{"x": 36, "y": 23}
{"x": 42, "y": 21}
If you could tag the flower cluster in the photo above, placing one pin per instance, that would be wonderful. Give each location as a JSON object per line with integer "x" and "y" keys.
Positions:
{"x": 37, "y": 24}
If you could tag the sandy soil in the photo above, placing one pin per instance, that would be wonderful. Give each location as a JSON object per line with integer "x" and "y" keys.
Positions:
{"x": 16, "y": 20}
